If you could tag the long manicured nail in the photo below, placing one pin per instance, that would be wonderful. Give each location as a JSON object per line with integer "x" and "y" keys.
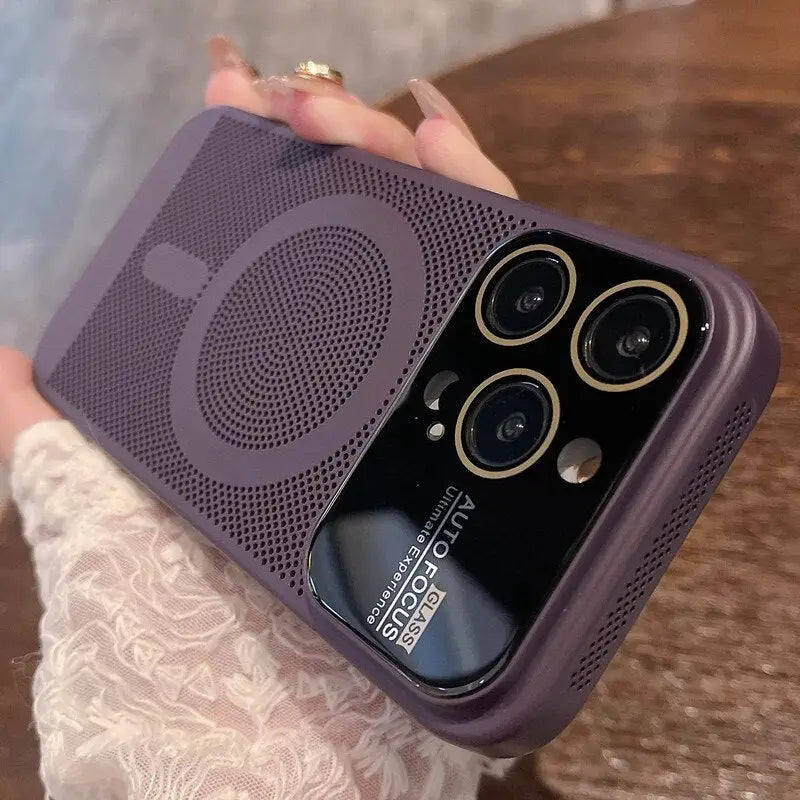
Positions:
{"x": 223, "y": 54}
{"x": 279, "y": 84}
{"x": 434, "y": 105}
{"x": 280, "y": 98}
{"x": 286, "y": 84}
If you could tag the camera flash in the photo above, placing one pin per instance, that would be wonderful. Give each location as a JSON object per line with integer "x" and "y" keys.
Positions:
{"x": 579, "y": 460}
{"x": 435, "y": 431}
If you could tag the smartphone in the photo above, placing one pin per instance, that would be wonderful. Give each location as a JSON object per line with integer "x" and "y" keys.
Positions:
{"x": 461, "y": 436}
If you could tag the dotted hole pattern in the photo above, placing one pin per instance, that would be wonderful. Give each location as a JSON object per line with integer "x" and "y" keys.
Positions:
{"x": 117, "y": 371}
{"x": 662, "y": 548}
{"x": 294, "y": 337}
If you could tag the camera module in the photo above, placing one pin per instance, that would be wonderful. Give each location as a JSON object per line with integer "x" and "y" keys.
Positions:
{"x": 629, "y": 335}
{"x": 525, "y": 294}
{"x": 507, "y": 423}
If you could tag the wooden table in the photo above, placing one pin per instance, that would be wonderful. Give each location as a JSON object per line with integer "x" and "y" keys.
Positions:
{"x": 680, "y": 125}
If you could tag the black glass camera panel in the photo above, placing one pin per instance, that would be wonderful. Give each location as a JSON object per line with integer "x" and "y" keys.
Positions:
{"x": 456, "y": 524}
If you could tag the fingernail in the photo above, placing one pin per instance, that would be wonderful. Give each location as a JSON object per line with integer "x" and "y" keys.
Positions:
{"x": 279, "y": 96}
{"x": 434, "y": 105}
{"x": 275, "y": 83}
{"x": 286, "y": 84}
{"x": 223, "y": 54}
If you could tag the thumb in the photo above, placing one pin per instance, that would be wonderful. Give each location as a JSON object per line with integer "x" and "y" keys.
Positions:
{"x": 21, "y": 406}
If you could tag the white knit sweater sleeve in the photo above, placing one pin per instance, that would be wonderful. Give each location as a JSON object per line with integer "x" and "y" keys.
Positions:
{"x": 167, "y": 672}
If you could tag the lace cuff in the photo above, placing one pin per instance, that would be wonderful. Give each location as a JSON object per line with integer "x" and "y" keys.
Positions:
{"x": 167, "y": 672}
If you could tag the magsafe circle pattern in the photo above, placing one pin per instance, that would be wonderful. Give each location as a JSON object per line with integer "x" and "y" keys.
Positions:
{"x": 313, "y": 310}
{"x": 118, "y": 370}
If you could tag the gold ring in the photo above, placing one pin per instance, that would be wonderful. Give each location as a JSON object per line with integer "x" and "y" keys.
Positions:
{"x": 313, "y": 69}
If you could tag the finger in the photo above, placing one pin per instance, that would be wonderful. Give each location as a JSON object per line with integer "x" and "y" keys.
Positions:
{"x": 235, "y": 82}
{"x": 321, "y": 87}
{"x": 224, "y": 54}
{"x": 317, "y": 109}
{"x": 21, "y": 406}
{"x": 232, "y": 81}
{"x": 444, "y": 143}
{"x": 434, "y": 104}
{"x": 442, "y": 148}
{"x": 334, "y": 120}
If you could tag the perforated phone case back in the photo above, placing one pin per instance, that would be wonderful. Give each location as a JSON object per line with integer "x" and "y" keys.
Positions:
{"x": 253, "y": 316}
{"x": 257, "y": 320}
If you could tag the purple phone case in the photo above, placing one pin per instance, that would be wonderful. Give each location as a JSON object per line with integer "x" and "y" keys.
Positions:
{"x": 136, "y": 357}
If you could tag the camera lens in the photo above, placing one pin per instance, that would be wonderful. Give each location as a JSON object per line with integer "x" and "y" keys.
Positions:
{"x": 506, "y": 423}
{"x": 524, "y": 297}
{"x": 629, "y": 336}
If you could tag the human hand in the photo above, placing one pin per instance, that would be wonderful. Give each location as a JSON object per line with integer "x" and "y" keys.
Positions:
{"x": 318, "y": 110}
{"x": 166, "y": 671}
